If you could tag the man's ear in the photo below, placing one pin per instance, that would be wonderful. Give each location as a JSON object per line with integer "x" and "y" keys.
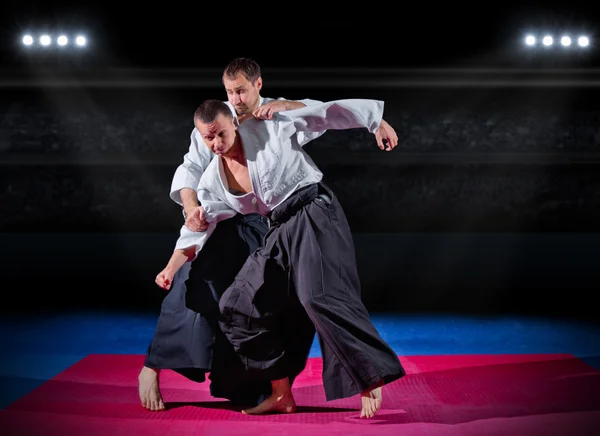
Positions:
{"x": 259, "y": 83}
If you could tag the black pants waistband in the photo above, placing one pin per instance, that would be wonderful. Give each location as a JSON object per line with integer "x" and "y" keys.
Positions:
{"x": 297, "y": 201}
{"x": 250, "y": 218}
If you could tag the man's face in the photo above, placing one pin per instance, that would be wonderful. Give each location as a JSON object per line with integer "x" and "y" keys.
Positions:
{"x": 243, "y": 95}
{"x": 219, "y": 135}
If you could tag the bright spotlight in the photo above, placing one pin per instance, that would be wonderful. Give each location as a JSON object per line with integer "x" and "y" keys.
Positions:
{"x": 565, "y": 41}
{"x": 45, "y": 40}
{"x": 547, "y": 41}
{"x": 28, "y": 40}
{"x": 80, "y": 41}
{"x": 530, "y": 40}
{"x": 62, "y": 40}
{"x": 583, "y": 41}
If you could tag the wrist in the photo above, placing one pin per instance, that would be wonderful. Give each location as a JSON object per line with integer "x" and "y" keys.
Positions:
{"x": 189, "y": 208}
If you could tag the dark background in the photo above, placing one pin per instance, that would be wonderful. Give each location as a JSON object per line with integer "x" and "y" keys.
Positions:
{"x": 307, "y": 34}
{"x": 490, "y": 203}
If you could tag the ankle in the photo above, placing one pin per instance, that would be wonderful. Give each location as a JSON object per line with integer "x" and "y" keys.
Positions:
{"x": 146, "y": 370}
{"x": 374, "y": 386}
{"x": 281, "y": 387}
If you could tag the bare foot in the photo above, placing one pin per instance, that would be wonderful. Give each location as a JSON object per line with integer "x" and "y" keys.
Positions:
{"x": 280, "y": 401}
{"x": 149, "y": 389}
{"x": 371, "y": 400}
{"x": 274, "y": 404}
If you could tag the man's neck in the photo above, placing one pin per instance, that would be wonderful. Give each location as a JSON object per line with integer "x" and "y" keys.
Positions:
{"x": 236, "y": 154}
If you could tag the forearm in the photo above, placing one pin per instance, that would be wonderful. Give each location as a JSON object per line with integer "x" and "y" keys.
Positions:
{"x": 179, "y": 258}
{"x": 189, "y": 199}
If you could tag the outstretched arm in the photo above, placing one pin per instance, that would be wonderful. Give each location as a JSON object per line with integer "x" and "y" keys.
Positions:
{"x": 342, "y": 115}
{"x": 337, "y": 115}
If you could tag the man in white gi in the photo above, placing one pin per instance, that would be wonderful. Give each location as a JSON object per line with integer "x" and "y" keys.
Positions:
{"x": 309, "y": 240}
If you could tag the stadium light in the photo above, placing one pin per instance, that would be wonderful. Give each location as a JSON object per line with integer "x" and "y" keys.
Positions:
{"x": 548, "y": 40}
{"x": 45, "y": 40}
{"x": 48, "y": 39}
{"x": 530, "y": 40}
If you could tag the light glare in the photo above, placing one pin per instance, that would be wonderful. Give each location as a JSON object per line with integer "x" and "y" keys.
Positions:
{"x": 583, "y": 41}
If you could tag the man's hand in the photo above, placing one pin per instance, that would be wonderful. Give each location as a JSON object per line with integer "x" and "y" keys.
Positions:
{"x": 385, "y": 132}
{"x": 267, "y": 110}
{"x": 196, "y": 220}
{"x": 164, "y": 279}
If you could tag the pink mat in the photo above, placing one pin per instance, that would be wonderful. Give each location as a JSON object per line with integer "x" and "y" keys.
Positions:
{"x": 441, "y": 395}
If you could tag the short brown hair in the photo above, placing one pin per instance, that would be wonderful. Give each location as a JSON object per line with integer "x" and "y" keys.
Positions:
{"x": 209, "y": 110}
{"x": 245, "y": 66}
